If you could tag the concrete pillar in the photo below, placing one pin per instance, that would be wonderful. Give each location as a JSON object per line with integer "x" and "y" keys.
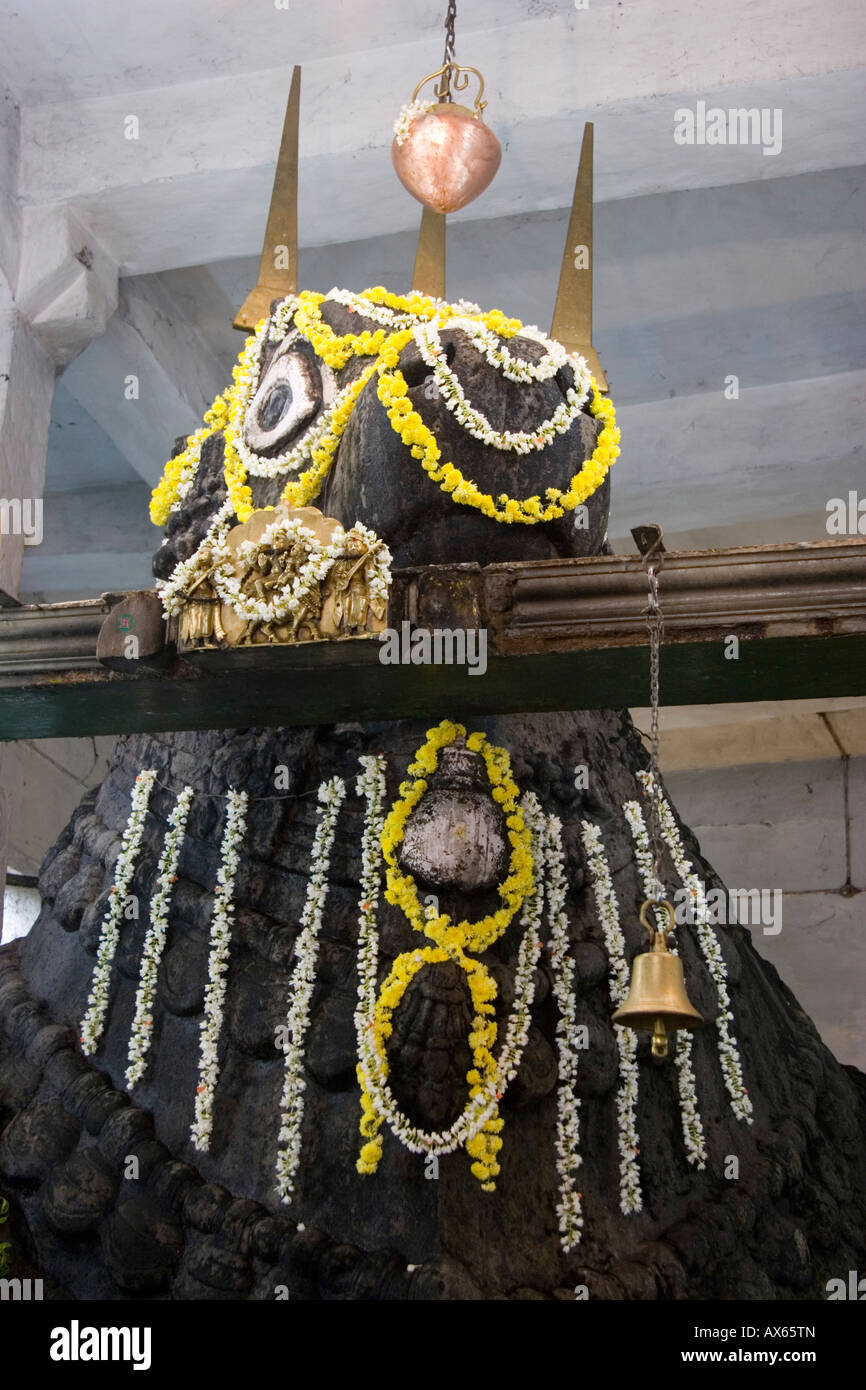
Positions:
{"x": 26, "y": 389}
{"x": 58, "y": 288}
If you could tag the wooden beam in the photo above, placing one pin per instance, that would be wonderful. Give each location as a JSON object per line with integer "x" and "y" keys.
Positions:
{"x": 562, "y": 634}
{"x": 69, "y": 706}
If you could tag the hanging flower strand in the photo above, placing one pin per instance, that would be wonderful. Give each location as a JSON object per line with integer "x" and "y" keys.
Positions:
{"x": 607, "y": 906}
{"x": 141, "y": 1035}
{"x": 218, "y": 964}
{"x": 729, "y": 1056}
{"x": 693, "y": 1129}
{"x": 97, "y": 1003}
{"x": 479, "y": 1126}
{"x": 301, "y": 985}
{"x": 568, "y": 1158}
{"x": 371, "y": 786}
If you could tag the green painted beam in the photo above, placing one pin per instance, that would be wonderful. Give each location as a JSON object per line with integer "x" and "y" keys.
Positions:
{"x": 273, "y": 691}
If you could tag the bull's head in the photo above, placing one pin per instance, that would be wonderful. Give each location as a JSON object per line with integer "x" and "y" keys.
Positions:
{"x": 456, "y": 435}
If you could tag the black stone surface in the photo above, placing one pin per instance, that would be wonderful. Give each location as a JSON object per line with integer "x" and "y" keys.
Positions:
{"x": 194, "y": 1226}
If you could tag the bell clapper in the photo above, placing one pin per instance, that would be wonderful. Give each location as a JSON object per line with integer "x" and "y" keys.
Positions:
{"x": 661, "y": 942}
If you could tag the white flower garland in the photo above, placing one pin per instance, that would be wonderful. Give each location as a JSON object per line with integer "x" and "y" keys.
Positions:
{"x": 301, "y": 984}
{"x": 729, "y": 1056}
{"x": 100, "y": 985}
{"x": 479, "y": 1108}
{"x": 371, "y": 785}
{"x": 406, "y": 115}
{"x": 172, "y": 591}
{"x": 692, "y": 1125}
{"x": 607, "y": 906}
{"x": 568, "y": 1158}
{"x": 141, "y": 1034}
{"x": 277, "y": 608}
{"x": 368, "y": 309}
{"x": 474, "y": 422}
{"x": 518, "y": 369}
{"x": 218, "y": 963}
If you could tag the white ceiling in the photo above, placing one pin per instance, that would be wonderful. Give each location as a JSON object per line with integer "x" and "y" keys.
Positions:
{"x": 209, "y": 99}
{"x": 54, "y": 52}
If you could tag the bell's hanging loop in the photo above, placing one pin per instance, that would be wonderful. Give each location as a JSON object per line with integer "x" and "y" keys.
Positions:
{"x": 660, "y": 905}
{"x": 657, "y": 1000}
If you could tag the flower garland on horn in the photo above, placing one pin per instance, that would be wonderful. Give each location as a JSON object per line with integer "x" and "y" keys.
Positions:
{"x": 692, "y": 1125}
{"x": 729, "y": 1056}
{"x": 402, "y": 319}
{"x": 218, "y": 964}
{"x": 607, "y": 905}
{"x": 331, "y": 795}
{"x": 141, "y": 1035}
{"x": 480, "y": 1125}
{"x": 97, "y": 1003}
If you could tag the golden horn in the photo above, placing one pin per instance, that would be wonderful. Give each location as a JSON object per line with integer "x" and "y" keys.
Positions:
{"x": 428, "y": 276}
{"x": 572, "y": 314}
{"x": 281, "y": 235}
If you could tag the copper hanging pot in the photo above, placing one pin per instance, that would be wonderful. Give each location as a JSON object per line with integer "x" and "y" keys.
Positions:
{"x": 448, "y": 156}
{"x": 657, "y": 1001}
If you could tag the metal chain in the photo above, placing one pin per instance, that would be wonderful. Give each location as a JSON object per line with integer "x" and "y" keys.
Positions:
{"x": 450, "y": 21}
{"x": 655, "y": 627}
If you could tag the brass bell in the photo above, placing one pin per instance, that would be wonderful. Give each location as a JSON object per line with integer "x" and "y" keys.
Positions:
{"x": 657, "y": 997}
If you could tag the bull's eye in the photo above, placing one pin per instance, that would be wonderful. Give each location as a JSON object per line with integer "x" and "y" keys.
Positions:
{"x": 275, "y": 405}
{"x": 291, "y": 392}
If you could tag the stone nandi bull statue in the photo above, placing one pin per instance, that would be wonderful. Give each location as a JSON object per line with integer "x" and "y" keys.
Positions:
{"x": 374, "y": 1058}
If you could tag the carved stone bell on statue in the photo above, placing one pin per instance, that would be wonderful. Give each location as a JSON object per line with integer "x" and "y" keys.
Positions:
{"x": 455, "y": 838}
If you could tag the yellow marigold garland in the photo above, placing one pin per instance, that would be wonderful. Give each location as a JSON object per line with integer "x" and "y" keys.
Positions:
{"x": 401, "y": 887}
{"x": 420, "y": 440}
{"x": 167, "y": 491}
{"x": 451, "y": 943}
{"x": 333, "y": 349}
{"x": 484, "y": 1146}
{"x": 383, "y": 345}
